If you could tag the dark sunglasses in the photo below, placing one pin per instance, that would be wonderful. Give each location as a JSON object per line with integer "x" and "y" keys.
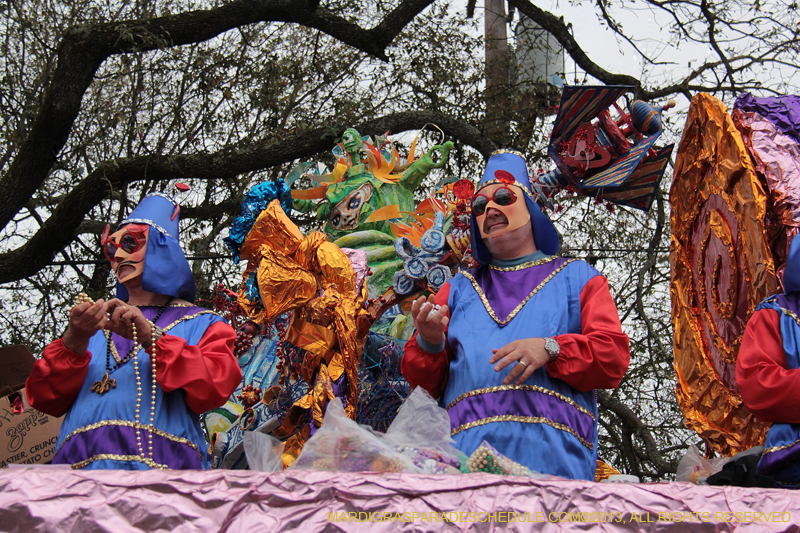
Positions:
{"x": 131, "y": 241}
{"x": 502, "y": 196}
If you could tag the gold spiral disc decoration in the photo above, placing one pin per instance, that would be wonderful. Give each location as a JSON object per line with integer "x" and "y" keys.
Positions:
{"x": 721, "y": 268}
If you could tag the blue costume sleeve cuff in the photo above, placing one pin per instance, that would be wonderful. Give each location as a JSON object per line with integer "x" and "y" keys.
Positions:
{"x": 428, "y": 347}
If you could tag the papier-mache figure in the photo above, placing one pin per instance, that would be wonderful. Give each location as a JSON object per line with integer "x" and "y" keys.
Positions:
{"x": 768, "y": 374}
{"x": 133, "y": 373}
{"x": 516, "y": 347}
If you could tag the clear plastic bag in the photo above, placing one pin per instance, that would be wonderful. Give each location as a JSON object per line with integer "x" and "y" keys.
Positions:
{"x": 695, "y": 468}
{"x": 418, "y": 440}
{"x": 263, "y": 452}
{"x": 421, "y": 431}
{"x": 343, "y": 445}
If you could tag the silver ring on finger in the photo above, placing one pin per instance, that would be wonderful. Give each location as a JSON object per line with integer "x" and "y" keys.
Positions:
{"x": 523, "y": 364}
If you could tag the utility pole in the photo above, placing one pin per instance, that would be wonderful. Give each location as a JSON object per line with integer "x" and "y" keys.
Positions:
{"x": 497, "y": 71}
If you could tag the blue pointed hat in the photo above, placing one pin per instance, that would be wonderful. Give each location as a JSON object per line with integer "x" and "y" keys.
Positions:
{"x": 504, "y": 162}
{"x": 166, "y": 270}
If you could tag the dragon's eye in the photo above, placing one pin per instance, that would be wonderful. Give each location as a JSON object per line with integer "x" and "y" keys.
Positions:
{"x": 354, "y": 202}
{"x": 335, "y": 220}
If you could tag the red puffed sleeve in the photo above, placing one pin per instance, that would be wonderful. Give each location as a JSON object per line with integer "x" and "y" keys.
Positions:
{"x": 598, "y": 357}
{"x": 769, "y": 389}
{"x": 208, "y": 372}
{"x": 424, "y": 369}
{"x": 57, "y": 378}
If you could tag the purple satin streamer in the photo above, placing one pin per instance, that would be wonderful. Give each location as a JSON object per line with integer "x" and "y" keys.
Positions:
{"x": 121, "y": 440}
{"x": 506, "y": 290}
{"x": 523, "y": 403}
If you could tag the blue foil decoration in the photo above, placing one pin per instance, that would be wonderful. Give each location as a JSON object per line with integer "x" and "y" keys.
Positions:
{"x": 253, "y": 293}
{"x": 255, "y": 201}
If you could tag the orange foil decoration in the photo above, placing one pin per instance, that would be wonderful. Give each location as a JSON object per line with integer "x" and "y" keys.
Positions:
{"x": 721, "y": 268}
{"x": 315, "y": 280}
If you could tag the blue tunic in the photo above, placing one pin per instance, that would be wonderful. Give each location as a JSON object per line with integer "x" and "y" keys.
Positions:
{"x": 544, "y": 423}
{"x": 101, "y": 431}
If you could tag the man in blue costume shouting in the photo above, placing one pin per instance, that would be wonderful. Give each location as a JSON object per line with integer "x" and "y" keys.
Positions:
{"x": 516, "y": 347}
{"x": 133, "y": 373}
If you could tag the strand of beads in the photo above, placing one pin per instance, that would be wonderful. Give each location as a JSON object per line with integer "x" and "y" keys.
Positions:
{"x": 153, "y": 402}
{"x": 82, "y": 298}
{"x": 138, "y": 394}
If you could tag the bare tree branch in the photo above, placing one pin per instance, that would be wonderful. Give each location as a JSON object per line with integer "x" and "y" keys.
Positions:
{"x": 84, "y": 48}
{"x": 60, "y": 228}
{"x": 636, "y": 427}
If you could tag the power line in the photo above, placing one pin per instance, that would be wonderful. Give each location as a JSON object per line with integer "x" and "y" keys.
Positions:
{"x": 591, "y": 251}
{"x": 101, "y": 261}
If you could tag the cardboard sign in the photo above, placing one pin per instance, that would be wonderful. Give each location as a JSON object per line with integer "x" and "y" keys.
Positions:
{"x": 30, "y": 436}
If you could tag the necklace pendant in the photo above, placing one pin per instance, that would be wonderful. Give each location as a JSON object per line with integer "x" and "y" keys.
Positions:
{"x": 104, "y": 385}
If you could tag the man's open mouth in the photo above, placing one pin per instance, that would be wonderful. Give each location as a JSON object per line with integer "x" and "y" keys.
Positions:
{"x": 499, "y": 221}
{"x": 119, "y": 267}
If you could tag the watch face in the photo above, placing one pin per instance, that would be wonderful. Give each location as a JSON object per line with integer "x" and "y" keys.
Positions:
{"x": 551, "y": 345}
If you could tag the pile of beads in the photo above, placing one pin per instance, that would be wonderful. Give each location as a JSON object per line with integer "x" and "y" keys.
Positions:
{"x": 487, "y": 459}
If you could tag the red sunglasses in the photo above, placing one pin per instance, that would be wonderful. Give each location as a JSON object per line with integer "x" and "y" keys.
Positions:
{"x": 502, "y": 196}
{"x": 131, "y": 241}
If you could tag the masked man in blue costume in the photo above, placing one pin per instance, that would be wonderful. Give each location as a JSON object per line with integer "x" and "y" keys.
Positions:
{"x": 768, "y": 375}
{"x": 516, "y": 347}
{"x": 133, "y": 373}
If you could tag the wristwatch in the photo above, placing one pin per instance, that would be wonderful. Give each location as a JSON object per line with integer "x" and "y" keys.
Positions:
{"x": 155, "y": 333}
{"x": 552, "y": 347}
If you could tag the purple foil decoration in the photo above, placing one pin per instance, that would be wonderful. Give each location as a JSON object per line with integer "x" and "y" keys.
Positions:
{"x": 770, "y": 128}
{"x": 358, "y": 259}
{"x": 39, "y": 499}
{"x": 782, "y": 111}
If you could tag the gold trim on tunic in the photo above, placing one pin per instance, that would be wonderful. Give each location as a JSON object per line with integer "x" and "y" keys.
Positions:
{"x": 779, "y": 448}
{"x": 113, "y": 345}
{"x": 519, "y": 307}
{"x": 188, "y": 317}
{"x": 130, "y": 424}
{"x": 534, "y": 388}
{"x": 137, "y": 425}
{"x": 116, "y": 457}
{"x": 523, "y": 419}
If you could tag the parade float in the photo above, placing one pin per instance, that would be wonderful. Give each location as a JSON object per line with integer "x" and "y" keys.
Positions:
{"x": 321, "y": 315}
{"x": 323, "y": 411}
